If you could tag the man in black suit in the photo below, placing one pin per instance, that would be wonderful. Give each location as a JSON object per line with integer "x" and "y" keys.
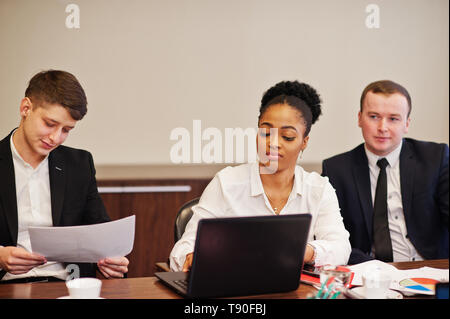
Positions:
{"x": 46, "y": 184}
{"x": 414, "y": 225}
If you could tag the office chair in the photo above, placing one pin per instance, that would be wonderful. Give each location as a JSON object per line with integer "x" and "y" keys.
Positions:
{"x": 183, "y": 216}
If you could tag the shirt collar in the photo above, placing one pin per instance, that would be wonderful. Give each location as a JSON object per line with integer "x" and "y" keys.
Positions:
{"x": 18, "y": 158}
{"x": 255, "y": 180}
{"x": 256, "y": 183}
{"x": 298, "y": 180}
{"x": 392, "y": 157}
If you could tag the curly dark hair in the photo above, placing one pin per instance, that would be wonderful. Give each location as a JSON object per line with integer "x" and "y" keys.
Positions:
{"x": 301, "y": 96}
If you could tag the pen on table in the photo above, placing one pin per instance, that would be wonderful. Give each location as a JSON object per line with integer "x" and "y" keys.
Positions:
{"x": 335, "y": 295}
{"x": 319, "y": 293}
{"x": 327, "y": 285}
{"x": 329, "y": 290}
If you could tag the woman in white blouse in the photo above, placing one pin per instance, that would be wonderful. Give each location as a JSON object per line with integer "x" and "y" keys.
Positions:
{"x": 276, "y": 184}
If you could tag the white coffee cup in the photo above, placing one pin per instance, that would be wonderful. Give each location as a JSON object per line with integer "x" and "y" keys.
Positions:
{"x": 84, "y": 288}
{"x": 376, "y": 284}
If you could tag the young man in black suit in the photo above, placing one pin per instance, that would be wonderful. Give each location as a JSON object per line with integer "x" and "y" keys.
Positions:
{"x": 46, "y": 184}
{"x": 414, "y": 224}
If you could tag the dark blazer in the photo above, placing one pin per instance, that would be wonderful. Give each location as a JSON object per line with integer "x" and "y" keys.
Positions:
{"x": 74, "y": 196}
{"x": 424, "y": 189}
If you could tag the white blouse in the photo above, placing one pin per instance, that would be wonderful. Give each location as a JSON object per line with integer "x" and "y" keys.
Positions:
{"x": 238, "y": 191}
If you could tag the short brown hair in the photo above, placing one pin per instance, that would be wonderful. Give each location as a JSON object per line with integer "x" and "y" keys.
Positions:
{"x": 386, "y": 87}
{"x": 58, "y": 87}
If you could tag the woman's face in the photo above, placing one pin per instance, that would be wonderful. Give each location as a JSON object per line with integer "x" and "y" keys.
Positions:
{"x": 280, "y": 137}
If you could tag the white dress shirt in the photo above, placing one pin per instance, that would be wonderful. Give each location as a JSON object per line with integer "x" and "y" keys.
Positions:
{"x": 238, "y": 191}
{"x": 33, "y": 209}
{"x": 402, "y": 248}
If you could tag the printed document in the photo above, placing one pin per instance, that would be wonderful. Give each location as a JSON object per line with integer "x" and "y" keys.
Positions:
{"x": 88, "y": 243}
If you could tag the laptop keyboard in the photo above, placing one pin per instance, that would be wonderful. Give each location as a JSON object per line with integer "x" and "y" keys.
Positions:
{"x": 181, "y": 283}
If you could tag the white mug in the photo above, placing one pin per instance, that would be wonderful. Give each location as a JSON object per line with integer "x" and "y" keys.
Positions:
{"x": 84, "y": 288}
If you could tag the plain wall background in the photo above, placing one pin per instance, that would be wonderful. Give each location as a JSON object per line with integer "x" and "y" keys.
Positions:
{"x": 150, "y": 66}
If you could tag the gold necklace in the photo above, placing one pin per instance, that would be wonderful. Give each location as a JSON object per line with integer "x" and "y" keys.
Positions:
{"x": 272, "y": 203}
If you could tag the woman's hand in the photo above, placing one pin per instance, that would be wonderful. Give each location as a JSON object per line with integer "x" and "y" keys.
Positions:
{"x": 309, "y": 254}
{"x": 188, "y": 262}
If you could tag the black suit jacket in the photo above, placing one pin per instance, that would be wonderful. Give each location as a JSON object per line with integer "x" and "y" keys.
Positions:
{"x": 425, "y": 196}
{"x": 74, "y": 196}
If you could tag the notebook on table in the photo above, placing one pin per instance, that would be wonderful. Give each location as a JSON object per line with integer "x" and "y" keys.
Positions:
{"x": 244, "y": 256}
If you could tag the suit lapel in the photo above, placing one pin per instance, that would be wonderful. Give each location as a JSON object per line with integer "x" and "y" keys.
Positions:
{"x": 407, "y": 171}
{"x": 57, "y": 176}
{"x": 362, "y": 181}
{"x": 8, "y": 200}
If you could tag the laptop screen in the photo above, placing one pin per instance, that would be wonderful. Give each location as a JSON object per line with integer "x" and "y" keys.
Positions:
{"x": 248, "y": 255}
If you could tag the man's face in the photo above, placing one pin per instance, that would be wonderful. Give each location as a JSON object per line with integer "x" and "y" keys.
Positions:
{"x": 45, "y": 127}
{"x": 384, "y": 121}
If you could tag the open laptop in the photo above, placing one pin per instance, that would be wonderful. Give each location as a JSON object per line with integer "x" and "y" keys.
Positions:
{"x": 244, "y": 256}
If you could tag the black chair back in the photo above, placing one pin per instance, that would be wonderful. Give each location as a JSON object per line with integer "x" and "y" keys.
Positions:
{"x": 183, "y": 216}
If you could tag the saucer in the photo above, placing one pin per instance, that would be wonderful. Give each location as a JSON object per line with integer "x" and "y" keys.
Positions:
{"x": 68, "y": 297}
{"x": 391, "y": 294}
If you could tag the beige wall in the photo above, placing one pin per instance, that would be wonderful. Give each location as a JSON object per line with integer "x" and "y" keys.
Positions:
{"x": 151, "y": 66}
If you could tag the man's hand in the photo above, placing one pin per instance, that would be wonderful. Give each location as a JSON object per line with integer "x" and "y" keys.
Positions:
{"x": 16, "y": 260}
{"x": 113, "y": 267}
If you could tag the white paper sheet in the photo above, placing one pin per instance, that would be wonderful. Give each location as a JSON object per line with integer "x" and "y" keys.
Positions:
{"x": 88, "y": 243}
{"x": 360, "y": 269}
{"x": 398, "y": 275}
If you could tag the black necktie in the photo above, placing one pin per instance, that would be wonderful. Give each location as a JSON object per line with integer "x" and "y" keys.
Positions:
{"x": 381, "y": 235}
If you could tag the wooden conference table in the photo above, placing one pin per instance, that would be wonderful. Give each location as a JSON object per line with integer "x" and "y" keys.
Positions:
{"x": 152, "y": 288}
